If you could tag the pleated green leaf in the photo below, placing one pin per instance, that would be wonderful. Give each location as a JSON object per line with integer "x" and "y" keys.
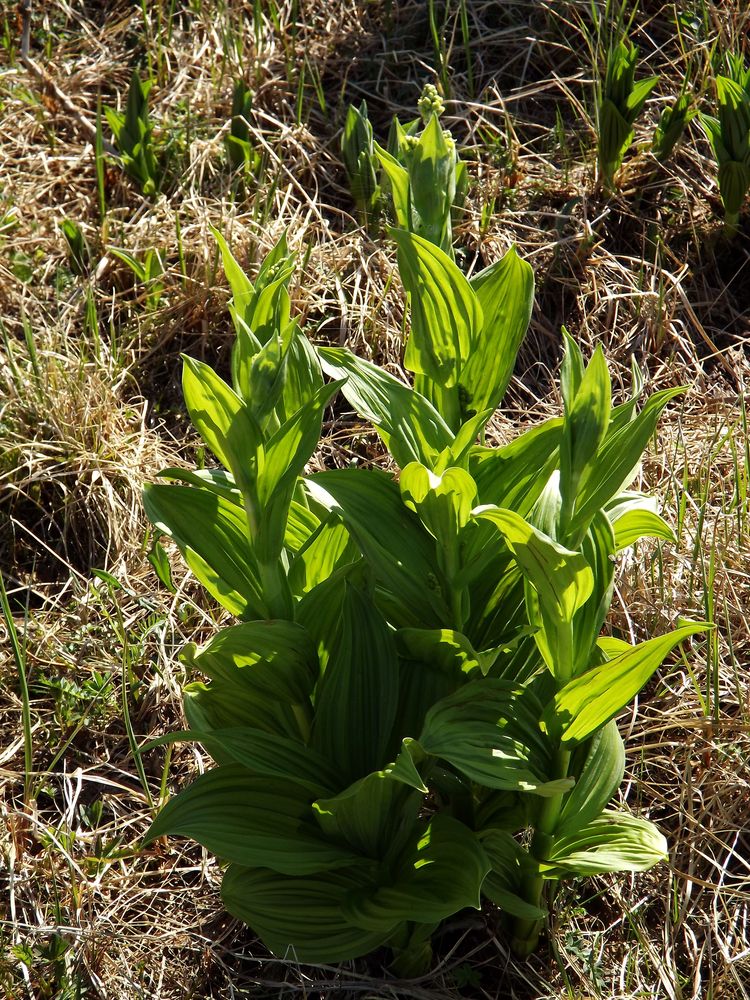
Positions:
{"x": 504, "y": 883}
{"x": 634, "y": 524}
{"x": 587, "y": 702}
{"x": 505, "y": 291}
{"x": 330, "y": 547}
{"x": 446, "y": 314}
{"x": 443, "y": 874}
{"x": 411, "y": 428}
{"x": 356, "y": 700}
{"x": 283, "y": 460}
{"x": 277, "y": 658}
{"x": 596, "y": 782}
{"x": 613, "y": 842}
{"x": 212, "y": 535}
{"x": 619, "y": 458}
{"x": 249, "y": 822}
{"x": 473, "y": 730}
{"x": 377, "y": 814}
{"x": 585, "y": 424}
{"x": 398, "y": 549}
{"x": 514, "y": 476}
{"x": 443, "y": 502}
{"x": 224, "y": 422}
{"x": 302, "y": 919}
{"x": 262, "y": 753}
{"x": 229, "y": 705}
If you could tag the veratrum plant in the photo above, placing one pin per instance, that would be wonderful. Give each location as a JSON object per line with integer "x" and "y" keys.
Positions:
{"x": 415, "y": 708}
{"x": 427, "y": 179}
{"x": 133, "y": 134}
{"x": 671, "y": 125}
{"x": 239, "y": 148}
{"x": 621, "y": 99}
{"x": 729, "y": 135}
{"x": 361, "y": 163}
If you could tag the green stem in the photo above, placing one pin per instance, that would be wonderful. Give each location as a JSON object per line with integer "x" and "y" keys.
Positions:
{"x": 276, "y": 593}
{"x": 526, "y": 932}
{"x": 731, "y": 223}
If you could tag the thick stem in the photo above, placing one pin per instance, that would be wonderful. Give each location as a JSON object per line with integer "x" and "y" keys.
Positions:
{"x": 525, "y": 935}
{"x": 276, "y": 592}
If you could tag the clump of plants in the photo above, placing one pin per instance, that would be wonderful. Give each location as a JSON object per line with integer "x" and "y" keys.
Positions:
{"x": 729, "y": 135}
{"x": 620, "y": 101}
{"x": 421, "y": 168}
{"x": 133, "y": 134}
{"x": 671, "y": 126}
{"x": 361, "y": 164}
{"x": 241, "y": 153}
{"x": 414, "y": 711}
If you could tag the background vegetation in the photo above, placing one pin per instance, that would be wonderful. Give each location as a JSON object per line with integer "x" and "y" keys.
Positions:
{"x": 95, "y": 311}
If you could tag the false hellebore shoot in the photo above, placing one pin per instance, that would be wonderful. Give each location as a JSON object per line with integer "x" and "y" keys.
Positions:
{"x": 414, "y": 709}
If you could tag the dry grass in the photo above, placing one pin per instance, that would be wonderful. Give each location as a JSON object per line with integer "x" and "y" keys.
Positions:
{"x": 91, "y": 409}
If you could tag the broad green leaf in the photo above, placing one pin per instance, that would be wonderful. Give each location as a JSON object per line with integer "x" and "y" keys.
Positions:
{"x": 432, "y": 185}
{"x": 561, "y": 580}
{"x": 472, "y": 730}
{"x": 639, "y": 94}
{"x": 277, "y": 658}
{"x": 511, "y": 865}
{"x": 443, "y": 874}
{"x": 356, "y": 700}
{"x": 249, "y": 821}
{"x": 212, "y": 535}
{"x": 598, "y": 549}
{"x": 614, "y": 842}
{"x": 458, "y": 450}
{"x": 446, "y": 314}
{"x": 400, "y": 552}
{"x": 398, "y": 179}
{"x": 224, "y": 422}
{"x": 443, "y": 503}
{"x": 231, "y": 704}
{"x": 377, "y": 815}
{"x": 585, "y": 425}
{"x": 263, "y": 753}
{"x": 634, "y": 524}
{"x": 444, "y": 649}
{"x": 599, "y": 778}
{"x": 303, "y": 375}
{"x": 515, "y": 475}
{"x": 411, "y": 428}
{"x": 265, "y": 380}
{"x": 284, "y": 459}
{"x": 329, "y": 547}
{"x": 214, "y": 480}
{"x": 619, "y": 458}
{"x": 587, "y": 702}
{"x": 242, "y": 288}
{"x": 301, "y": 525}
{"x": 505, "y": 291}
{"x": 571, "y": 370}
{"x": 302, "y": 919}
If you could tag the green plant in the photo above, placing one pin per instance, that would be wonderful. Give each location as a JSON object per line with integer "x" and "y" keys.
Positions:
{"x": 240, "y": 150}
{"x": 148, "y": 273}
{"x": 619, "y": 103}
{"x": 418, "y": 685}
{"x": 78, "y": 250}
{"x": 729, "y": 135}
{"x": 427, "y": 179}
{"x": 361, "y": 164}
{"x": 671, "y": 125}
{"x": 133, "y": 135}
